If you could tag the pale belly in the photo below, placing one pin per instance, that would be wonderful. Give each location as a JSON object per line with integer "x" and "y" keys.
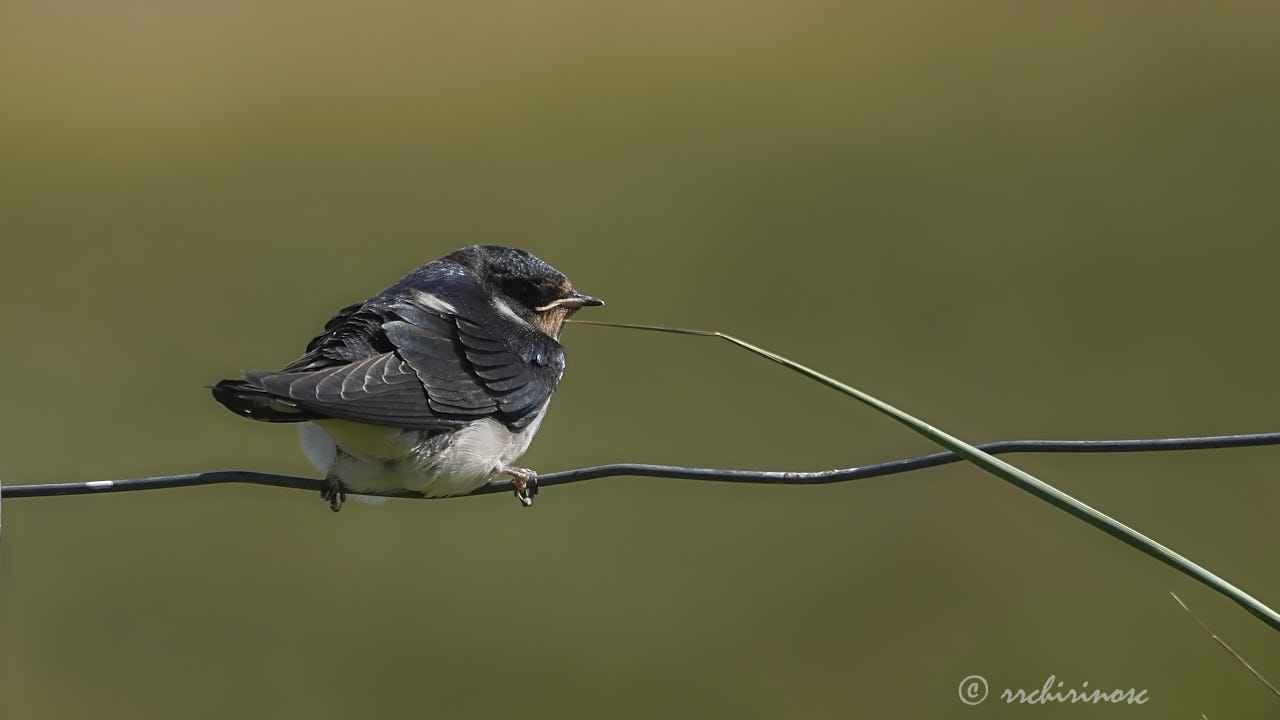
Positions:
{"x": 374, "y": 458}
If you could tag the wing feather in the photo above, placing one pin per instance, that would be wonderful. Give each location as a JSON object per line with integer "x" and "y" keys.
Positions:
{"x": 429, "y": 352}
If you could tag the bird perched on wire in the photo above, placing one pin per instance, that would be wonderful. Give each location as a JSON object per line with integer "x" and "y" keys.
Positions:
{"x": 433, "y": 385}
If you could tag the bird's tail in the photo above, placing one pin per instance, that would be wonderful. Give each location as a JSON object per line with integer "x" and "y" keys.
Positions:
{"x": 242, "y": 397}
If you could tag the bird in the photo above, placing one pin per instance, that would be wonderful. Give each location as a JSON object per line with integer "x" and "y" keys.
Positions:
{"x": 430, "y": 387}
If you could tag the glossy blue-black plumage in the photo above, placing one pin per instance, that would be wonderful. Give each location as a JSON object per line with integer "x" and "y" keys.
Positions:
{"x": 433, "y": 351}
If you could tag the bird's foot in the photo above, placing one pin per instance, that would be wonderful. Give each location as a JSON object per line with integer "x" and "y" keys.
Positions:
{"x": 334, "y": 492}
{"x": 525, "y": 482}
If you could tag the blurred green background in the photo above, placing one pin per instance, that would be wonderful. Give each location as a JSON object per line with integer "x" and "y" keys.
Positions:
{"x": 1017, "y": 220}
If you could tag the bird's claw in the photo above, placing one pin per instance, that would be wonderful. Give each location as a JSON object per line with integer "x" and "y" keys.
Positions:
{"x": 525, "y": 482}
{"x": 334, "y": 492}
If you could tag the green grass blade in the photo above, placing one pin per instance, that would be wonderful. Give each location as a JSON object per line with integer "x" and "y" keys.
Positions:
{"x": 1019, "y": 478}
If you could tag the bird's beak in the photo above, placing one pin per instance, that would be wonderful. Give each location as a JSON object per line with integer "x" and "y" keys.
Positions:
{"x": 573, "y": 300}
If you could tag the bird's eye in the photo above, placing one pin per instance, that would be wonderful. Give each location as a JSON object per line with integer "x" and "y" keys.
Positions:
{"x": 522, "y": 291}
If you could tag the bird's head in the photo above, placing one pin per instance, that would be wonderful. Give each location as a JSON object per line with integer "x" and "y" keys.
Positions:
{"x": 522, "y": 283}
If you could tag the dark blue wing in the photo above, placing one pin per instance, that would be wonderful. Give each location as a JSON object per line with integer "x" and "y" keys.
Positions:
{"x": 431, "y": 351}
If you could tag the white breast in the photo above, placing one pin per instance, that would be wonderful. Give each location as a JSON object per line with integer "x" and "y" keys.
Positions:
{"x": 376, "y": 458}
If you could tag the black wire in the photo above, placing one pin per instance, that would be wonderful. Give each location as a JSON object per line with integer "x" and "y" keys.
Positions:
{"x": 671, "y": 471}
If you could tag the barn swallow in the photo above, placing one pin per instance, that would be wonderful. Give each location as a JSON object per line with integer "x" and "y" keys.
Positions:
{"x": 433, "y": 385}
